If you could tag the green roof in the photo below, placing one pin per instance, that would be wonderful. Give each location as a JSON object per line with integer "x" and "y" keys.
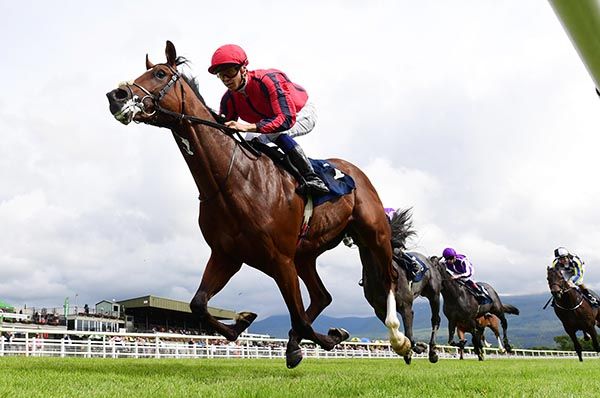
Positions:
{"x": 173, "y": 305}
{"x": 5, "y": 306}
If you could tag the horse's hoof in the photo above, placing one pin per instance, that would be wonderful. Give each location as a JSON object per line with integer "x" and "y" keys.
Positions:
{"x": 246, "y": 317}
{"x": 401, "y": 348}
{"x": 407, "y": 359}
{"x": 338, "y": 334}
{"x": 419, "y": 347}
{"x": 433, "y": 356}
{"x": 293, "y": 358}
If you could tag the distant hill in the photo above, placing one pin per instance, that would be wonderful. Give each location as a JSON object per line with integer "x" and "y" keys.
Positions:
{"x": 533, "y": 327}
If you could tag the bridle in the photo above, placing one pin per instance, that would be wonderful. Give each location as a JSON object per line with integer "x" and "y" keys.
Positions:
{"x": 561, "y": 292}
{"x": 136, "y": 104}
{"x": 140, "y": 106}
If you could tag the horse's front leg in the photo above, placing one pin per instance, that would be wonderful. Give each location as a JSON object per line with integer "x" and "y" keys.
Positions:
{"x": 478, "y": 342}
{"x": 573, "y": 335}
{"x": 451, "y": 330}
{"x": 218, "y": 272}
{"x": 407, "y": 315}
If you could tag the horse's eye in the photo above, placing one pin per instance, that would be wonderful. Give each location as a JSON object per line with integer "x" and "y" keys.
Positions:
{"x": 160, "y": 74}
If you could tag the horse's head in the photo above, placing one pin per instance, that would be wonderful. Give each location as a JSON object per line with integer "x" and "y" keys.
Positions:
{"x": 150, "y": 97}
{"x": 556, "y": 282}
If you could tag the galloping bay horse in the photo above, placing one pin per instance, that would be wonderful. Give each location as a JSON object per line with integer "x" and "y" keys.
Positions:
{"x": 429, "y": 286}
{"x": 461, "y": 307}
{"x": 488, "y": 320}
{"x": 250, "y": 212}
{"x": 573, "y": 310}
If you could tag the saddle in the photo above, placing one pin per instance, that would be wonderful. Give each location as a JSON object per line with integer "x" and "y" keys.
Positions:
{"x": 482, "y": 295}
{"x": 339, "y": 183}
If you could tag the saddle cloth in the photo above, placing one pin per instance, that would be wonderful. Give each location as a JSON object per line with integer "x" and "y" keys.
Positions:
{"x": 339, "y": 184}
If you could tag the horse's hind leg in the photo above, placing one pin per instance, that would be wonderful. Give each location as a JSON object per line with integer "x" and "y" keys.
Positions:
{"x": 287, "y": 280}
{"x": 319, "y": 300}
{"x": 374, "y": 258}
{"x": 218, "y": 272}
{"x": 434, "y": 304}
{"x": 594, "y": 335}
{"x": 504, "y": 324}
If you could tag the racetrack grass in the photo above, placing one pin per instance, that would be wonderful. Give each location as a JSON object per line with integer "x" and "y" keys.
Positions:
{"x": 81, "y": 377}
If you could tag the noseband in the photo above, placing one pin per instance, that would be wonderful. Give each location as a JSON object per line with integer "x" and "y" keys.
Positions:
{"x": 137, "y": 104}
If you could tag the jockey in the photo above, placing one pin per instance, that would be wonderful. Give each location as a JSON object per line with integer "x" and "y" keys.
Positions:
{"x": 461, "y": 268}
{"x": 572, "y": 269}
{"x": 275, "y": 108}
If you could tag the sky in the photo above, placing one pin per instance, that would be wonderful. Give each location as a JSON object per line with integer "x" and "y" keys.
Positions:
{"x": 477, "y": 114}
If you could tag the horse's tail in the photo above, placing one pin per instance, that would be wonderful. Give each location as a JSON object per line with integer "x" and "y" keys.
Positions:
{"x": 510, "y": 309}
{"x": 401, "y": 224}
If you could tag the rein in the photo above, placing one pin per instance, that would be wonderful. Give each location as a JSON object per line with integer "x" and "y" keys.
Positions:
{"x": 563, "y": 291}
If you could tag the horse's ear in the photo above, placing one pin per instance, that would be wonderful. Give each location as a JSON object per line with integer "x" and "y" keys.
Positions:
{"x": 171, "y": 54}
{"x": 149, "y": 65}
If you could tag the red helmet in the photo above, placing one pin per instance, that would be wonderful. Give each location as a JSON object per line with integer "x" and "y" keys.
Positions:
{"x": 228, "y": 54}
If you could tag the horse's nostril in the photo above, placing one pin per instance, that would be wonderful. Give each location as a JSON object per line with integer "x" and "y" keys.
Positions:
{"x": 120, "y": 94}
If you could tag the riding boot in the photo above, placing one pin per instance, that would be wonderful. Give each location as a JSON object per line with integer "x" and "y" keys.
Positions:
{"x": 590, "y": 297}
{"x": 311, "y": 179}
{"x": 414, "y": 266}
{"x": 480, "y": 294}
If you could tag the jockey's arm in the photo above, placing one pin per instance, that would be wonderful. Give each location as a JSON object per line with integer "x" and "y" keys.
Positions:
{"x": 468, "y": 267}
{"x": 577, "y": 277}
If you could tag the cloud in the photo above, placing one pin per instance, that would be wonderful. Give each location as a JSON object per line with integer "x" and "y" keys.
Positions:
{"x": 480, "y": 120}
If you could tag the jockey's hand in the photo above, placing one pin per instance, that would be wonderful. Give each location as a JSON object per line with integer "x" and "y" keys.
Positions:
{"x": 245, "y": 127}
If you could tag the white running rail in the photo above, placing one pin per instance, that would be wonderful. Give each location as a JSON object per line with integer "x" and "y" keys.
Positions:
{"x": 27, "y": 342}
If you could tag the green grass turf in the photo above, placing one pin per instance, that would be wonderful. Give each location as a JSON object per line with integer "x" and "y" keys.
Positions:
{"x": 81, "y": 377}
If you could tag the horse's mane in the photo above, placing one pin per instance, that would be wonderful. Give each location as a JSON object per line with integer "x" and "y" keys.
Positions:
{"x": 401, "y": 224}
{"x": 192, "y": 81}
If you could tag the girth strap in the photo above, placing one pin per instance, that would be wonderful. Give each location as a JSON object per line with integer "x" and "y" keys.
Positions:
{"x": 308, "y": 211}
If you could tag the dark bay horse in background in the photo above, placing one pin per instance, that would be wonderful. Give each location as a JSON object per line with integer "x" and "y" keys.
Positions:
{"x": 250, "y": 212}
{"x": 489, "y": 321}
{"x": 461, "y": 307}
{"x": 573, "y": 310}
{"x": 406, "y": 292}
